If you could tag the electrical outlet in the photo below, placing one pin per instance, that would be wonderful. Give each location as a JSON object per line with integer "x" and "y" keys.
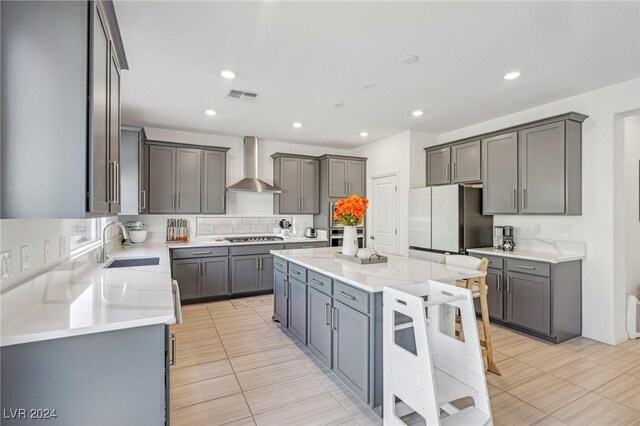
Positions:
{"x": 6, "y": 264}
{"x": 537, "y": 229}
{"x": 63, "y": 247}
{"x": 47, "y": 250}
{"x": 565, "y": 230}
{"x": 24, "y": 258}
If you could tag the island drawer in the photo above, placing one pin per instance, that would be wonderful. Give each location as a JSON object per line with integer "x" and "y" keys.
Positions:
{"x": 319, "y": 282}
{"x": 187, "y": 253}
{"x": 351, "y": 296}
{"x": 494, "y": 261}
{"x": 311, "y": 244}
{"x": 529, "y": 267}
{"x": 298, "y": 272}
{"x": 257, "y": 249}
{"x": 280, "y": 264}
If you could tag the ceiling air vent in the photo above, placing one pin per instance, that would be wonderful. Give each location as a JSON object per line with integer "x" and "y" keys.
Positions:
{"x": 242, "y": 96}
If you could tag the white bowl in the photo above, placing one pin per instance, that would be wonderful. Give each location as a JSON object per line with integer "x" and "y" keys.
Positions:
{"x": 138, "y": 237}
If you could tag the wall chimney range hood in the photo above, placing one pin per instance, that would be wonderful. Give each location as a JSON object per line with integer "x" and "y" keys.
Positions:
{"x": 251, "y": 182}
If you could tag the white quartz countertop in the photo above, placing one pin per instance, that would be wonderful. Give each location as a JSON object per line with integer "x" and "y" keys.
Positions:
{"x": 539, "y": 256}
{"x": 374, "y": 277}
{"x": 219, "y": 242}
{"x": 81, "y": 297}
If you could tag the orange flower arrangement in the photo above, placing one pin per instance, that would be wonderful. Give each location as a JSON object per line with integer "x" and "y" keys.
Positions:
{"x": 350, "y": 211}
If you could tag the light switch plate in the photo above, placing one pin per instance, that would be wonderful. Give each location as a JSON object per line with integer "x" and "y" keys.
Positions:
{"x": 47, "y": 251}
{"x": 63, "y": 247}
{"x": 6, "y": 265}
{"x": 24, "y": 258}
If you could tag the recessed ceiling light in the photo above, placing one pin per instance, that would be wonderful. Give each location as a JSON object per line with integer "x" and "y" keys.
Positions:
{"x": 297, "y": 125}
{"x": 410, "y": 59}
{"x": 364, "y": 134}
{"x": 369, "y": 86}
{"x": 228, "y": 73}
{"x": 512, "y": 75}
{"x": 210, "y": 112}
{"x": 417, "y": 113}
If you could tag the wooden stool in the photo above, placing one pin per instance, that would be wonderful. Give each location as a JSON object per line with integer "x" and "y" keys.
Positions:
{"x": 479, "y": 289}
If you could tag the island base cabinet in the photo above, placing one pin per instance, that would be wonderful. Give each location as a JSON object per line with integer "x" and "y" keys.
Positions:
{"x": 319, "y": 327}
{"x": 529, "y": 301}
{"x": 280, "y": 299}
{"x": 298, "y": 309}
{"x": 351, "y": 349}
{"x": 116, "y": 377}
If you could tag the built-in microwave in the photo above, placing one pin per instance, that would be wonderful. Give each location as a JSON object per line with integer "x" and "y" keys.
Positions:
{"x": 336, "y": 223}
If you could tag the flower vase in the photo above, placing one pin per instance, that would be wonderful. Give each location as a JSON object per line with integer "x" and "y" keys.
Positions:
{"x": 350, "y": 241}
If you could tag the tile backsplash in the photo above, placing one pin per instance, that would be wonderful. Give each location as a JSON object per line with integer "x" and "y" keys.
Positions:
{"x": 238, "y": 225}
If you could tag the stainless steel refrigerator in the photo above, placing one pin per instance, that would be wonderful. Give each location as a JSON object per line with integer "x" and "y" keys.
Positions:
{"x": 447, "y": 218}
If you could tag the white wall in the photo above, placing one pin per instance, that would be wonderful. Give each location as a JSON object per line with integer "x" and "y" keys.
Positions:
{"x": 243, "y": 203}
{"x": 631, "y": 202}
{"x": 603, "y": 280}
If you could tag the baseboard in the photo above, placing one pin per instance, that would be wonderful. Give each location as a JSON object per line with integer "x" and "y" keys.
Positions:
{"x": 607, "y": 338}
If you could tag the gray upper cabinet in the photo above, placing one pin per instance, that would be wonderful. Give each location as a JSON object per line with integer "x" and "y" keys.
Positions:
{"x": 465, "y": 162}
{"x": 338, "y": 177}
{"x": 542, "y": 169}
{"x": 214, "y": 182}
{"x": 356, "y": 178}
{"x": 143, "y": 174}
{"x": 438, "y": 166}
{"x": 115, "y": 136}
{"x": 162, "y": 183}
{"x": 298, "y": 179}
{"x": 188, "y": 180}
{"x": 500, "y": 174}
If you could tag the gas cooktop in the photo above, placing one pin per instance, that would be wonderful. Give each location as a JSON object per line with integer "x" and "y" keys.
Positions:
{"x": 253, "y": 238}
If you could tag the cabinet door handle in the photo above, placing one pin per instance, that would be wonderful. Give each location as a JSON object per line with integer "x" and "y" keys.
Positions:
{"x": 531, "y": 268}
{"x": 346, "y": 188}
{"x": 172, "y": 359}
{"x": 347, "y": 295}
{"x": 261, "y": 263}
{"x": 201, "y": 252}
{"x": 524, "y": 198}
{"x": 508, "y": 284}
{"x": 515, "y": 199}
{"x": 284, "y": 288}
{"x": 257, "y": 264}
{"x": 116, "y": 181}
{"x": 453, "y": 166}
{"x": 204, "y": 269}
{"x": 301, "y": 203}
{"x": 173, "y": 202}
{"x": 279, "y": 264}
{"x": 498, "y": 284}
{"x": 293, "y": 271}
{"x": 179, "y": 201}
{"x": 334, "y": 319}
{"x": 317, "y": 281}
{"x": 327, "y": 314}
{"x": 143, "y": 200}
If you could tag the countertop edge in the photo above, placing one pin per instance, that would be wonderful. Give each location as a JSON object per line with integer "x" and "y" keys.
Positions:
{"x": 542, "y": 257}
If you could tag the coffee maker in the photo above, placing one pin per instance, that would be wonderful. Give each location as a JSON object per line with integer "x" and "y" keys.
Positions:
{"x": 508, "y": 244}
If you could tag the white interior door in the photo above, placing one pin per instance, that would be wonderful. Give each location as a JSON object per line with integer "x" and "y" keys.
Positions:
{"x": 445, "y": 218}
{"x": 384, "y": 214}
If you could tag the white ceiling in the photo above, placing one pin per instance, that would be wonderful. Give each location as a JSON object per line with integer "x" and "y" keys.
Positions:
{"x": 303, "y": 57}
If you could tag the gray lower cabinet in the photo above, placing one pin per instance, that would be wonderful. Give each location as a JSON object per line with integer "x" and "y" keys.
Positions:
{"x": 495, "y": 294}
{"x": 319, "y": 333}
{"x": 529, "y": 301}
{"x": 500, "y": 174}
{"x": 351, "y": 348}
{"x": 244, "y": 274}
{"x": 438, "y": 166}
{"x": 542, "y": 169}
{"x": 465, "y": 162}
{"x": 215, "y": 276}
{"x": 280, "y": 298}
{"x": 187, "y": 273}
{"x": 214, "y": 182}
{"x": 265, "y": 272}
{"x": 297, "y": 295}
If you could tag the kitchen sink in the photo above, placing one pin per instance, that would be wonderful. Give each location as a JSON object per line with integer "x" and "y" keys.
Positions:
{"x": 137, "y": 261}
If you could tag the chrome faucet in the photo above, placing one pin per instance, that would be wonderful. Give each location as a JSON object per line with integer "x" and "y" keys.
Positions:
{"x": 103, "y": 248}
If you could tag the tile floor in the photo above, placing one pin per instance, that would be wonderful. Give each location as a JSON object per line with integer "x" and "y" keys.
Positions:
{"x": 235, "y": 366}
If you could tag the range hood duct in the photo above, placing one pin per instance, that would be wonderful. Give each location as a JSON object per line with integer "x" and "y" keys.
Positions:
{"x": 251, "y": 183}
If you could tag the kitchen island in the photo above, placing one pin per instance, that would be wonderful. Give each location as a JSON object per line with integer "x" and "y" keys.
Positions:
{"x": 334, "y": 307}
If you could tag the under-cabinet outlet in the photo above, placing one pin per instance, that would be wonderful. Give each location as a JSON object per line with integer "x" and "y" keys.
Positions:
{"x": 24, "y": 258}
{"x": 537, "y": 229}
{"x": 47, "y": 251}
{"x": 565, "y": 230}
{"x": 6, "y": 264}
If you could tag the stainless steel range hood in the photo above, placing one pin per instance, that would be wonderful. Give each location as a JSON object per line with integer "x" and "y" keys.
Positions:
{"x": 251, "y": 182}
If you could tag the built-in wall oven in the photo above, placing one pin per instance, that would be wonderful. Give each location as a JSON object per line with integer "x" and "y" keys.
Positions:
{"x": 336, "y": 236}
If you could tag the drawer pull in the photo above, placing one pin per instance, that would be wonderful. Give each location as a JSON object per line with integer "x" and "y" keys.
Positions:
{"x": 279, "y": 264}
{"x": 347, "y": 295}
{"x": 531, "y": 268}
{"x": 317, "y": 281}
{"x": 202, "y": 252}
{"x": 293, "y": 271}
